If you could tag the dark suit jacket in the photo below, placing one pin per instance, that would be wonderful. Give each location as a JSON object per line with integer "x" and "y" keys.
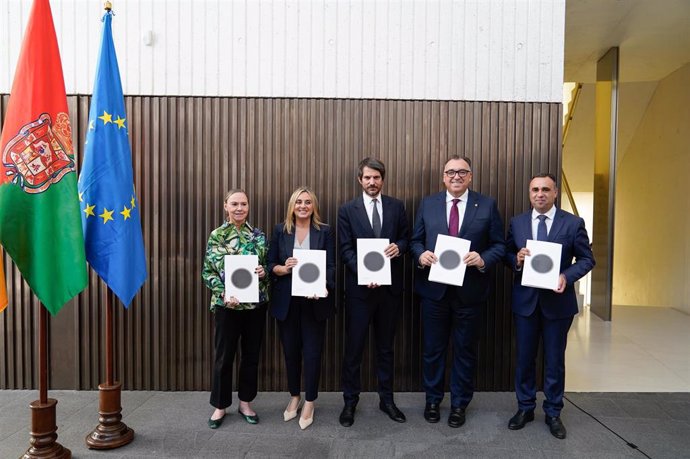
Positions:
{"x": 353, "y": 223}
{"x": 567, "y": 230}
{"x": 281, "y": 248}
{"x": 482, "y": 225}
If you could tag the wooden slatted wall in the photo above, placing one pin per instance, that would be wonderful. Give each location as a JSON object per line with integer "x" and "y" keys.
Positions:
{"x": 189, "y": 150}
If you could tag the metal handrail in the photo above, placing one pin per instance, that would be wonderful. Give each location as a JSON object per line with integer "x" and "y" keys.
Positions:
{"x": 569, "y": 193}
{"x": 566, "y": 128}
{"x": 571, "y": 110}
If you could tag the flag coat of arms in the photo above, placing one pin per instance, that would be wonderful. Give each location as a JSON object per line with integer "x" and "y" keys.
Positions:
{"x": 110, "y": 211}
{"x": 40, "y": 226}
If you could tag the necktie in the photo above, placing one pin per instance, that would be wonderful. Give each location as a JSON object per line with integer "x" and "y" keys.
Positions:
{"x": 541, "y": 228}
{"x": 454, "y": 219}
{"x": 376, "y": 220}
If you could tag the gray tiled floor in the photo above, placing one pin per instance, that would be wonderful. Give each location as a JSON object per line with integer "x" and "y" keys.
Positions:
{"x": 173, "y": 424}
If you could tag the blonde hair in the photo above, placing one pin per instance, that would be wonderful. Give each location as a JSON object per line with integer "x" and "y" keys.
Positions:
{"x": 290, "y": 214}
{"x": 227, "y": 196}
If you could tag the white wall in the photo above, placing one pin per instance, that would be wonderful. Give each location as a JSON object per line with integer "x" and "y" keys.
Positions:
{"x": 507, "y": 50}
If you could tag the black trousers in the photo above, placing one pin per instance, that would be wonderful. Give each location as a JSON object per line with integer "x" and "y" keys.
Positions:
{"x": 247, "y": 328}
{"x": 302, "y": 337}
{"x": 381, "y": 309}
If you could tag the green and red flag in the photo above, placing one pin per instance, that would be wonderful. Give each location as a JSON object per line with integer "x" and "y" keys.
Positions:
{"x": 40, "y": 225}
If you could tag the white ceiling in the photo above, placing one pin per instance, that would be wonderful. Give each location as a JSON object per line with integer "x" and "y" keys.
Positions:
{"x": 653, "y": 37}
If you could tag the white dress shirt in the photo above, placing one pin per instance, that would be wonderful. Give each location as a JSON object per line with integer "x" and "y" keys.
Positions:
{"x": 462, "y": 205}
{"x": 549, "y": 220}
{"x": 369, "y": 206}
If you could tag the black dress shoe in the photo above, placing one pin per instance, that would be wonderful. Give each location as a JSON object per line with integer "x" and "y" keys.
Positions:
{"x": 392, "y": 411}
{"x": 347, "y": 416}
{"x": 456, "y": 418}
{"x": 432, "y": 413}
{"x": 521, "y": 418}
{"x": 555, "y": 426}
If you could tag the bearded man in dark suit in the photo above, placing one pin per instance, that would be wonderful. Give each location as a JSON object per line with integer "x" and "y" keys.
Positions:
{"x": 371, "y": 215}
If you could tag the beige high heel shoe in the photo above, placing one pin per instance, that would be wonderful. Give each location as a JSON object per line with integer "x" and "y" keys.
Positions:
{"x": 306, "y": 422}
{"x": 290, "y": 415}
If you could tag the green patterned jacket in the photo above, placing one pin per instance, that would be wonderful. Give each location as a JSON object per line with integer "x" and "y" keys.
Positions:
{"x": 228, "y": 240}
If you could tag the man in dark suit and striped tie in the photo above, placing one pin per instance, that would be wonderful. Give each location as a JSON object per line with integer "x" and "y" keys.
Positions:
{"x": 542, "y": 314}
{"x": 371, "y": 215}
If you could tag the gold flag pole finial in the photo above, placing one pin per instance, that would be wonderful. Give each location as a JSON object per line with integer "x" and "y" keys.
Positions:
{"x": 108, "y": 6}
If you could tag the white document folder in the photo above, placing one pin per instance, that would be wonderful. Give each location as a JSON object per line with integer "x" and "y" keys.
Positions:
{"x": 450, "y": 268}
{"x": 240, "y": 279}
{"x": 542, "y": 267}
{"x": 309, "y": 276}
{"x": 372, "y": 265}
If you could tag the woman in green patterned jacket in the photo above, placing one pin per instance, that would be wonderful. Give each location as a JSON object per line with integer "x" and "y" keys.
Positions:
{"x": 234, "y": 321}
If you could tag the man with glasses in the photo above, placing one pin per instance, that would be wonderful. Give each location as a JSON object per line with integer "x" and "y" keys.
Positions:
{"x": 449, "y": 311}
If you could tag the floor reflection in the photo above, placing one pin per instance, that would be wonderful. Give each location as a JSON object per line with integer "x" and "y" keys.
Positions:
{"x": 642, "y": 349}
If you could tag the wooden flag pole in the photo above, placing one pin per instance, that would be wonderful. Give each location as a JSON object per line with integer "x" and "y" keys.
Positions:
{"x": 42, "y": 355}
{"x": 43, "y": 425}
{"x": 110, "y": 432}
{"x": 108, "y": 338}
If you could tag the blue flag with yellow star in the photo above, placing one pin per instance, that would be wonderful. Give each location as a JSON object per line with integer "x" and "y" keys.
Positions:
{"x": 109, "y": 207}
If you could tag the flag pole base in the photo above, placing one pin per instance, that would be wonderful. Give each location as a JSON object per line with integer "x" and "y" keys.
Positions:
{"x": 44, "y": 433}
{"x": 111, "y": 432}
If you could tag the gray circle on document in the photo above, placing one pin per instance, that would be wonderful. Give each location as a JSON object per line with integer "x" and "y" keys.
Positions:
{"x": 450, "y": 259}
{"x": 541, "y": 263}
{"x": 374, "y": 261}
{"x": 308, "y": 272}
{"x": 241, "y": 278}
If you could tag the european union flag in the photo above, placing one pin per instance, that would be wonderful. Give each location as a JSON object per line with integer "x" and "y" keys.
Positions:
{"x": 110, "y": 211}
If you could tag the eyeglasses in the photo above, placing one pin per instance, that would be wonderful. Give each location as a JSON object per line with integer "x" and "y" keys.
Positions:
{"x": 459, "y": 172}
